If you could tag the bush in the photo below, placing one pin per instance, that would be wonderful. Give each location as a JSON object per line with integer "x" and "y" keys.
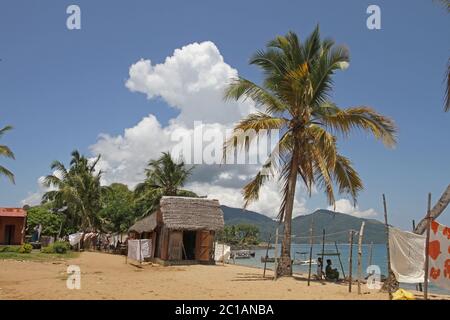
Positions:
{"x": 9, "y": 249}
{"x": 48, "y": 249}
{"x": 25, "y": 248}
{"x": 60, "y": 247}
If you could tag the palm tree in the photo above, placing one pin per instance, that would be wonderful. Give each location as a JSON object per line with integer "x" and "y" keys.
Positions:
{"x": 5, "y": 151}
{"x": 165, "y": 177}
{"x": 78, "y": 191}
{"x": 295, "y": 99}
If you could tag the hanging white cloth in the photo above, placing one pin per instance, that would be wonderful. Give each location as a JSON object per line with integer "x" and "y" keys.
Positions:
{"x": 407, "y": 251}
{"x": 75, "y": 238}
{"x": 439, "y": 255}
{"x": 222, "y": 252}
{"x": 138, "y": 250}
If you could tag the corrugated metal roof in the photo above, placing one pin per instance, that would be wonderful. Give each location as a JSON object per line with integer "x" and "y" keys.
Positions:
{"x": 12, "y": 212}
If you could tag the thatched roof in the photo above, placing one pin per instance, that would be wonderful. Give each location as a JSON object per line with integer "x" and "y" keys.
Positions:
{"x": 146, "y": 224}
{"x": 184, "y": 213}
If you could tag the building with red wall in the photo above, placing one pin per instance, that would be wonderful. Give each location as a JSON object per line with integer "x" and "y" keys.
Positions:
{"x": 12, "y": 226}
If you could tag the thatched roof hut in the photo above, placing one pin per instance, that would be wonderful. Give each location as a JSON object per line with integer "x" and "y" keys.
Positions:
{"x": 183, "y": 228}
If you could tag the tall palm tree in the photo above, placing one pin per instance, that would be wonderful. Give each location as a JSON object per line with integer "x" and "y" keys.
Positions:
{"x": 77, "y": 191}
{"x": 5, "y": 151}
{"x": 165, "y": 177}
{"x": 295, "y": 98}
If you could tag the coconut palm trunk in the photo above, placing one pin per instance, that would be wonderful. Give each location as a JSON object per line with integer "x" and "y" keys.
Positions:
{"x": 435, "y": 212}
{"x": 285, "y": 264}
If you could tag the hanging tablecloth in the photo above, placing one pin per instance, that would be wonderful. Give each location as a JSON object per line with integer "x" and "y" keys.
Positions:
{"x": 439, "y": 255}
{"x": 407, "y": 251}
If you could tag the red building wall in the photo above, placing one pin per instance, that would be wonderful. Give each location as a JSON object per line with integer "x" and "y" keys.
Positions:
{"x": 18, "y": 222}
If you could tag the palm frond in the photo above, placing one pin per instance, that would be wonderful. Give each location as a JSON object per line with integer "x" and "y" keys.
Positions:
{"x": 8, "y": 174}
{"x": 4, "y": 130}
{"x": 347, "y": 178}
{"x": 365, "y": 118}
{"x": 243, "y": 88}
{"x": 5, "y": 151}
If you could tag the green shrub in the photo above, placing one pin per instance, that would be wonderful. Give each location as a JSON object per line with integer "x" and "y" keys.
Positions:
{"x": 25, "y": 248}
{"x": 48, "y": 249}
{"x": 60, "y": 247}
{"x": 9, "y": 249}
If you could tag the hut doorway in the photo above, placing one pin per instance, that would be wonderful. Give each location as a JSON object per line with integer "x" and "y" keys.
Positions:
{"x": 189, "y": 240}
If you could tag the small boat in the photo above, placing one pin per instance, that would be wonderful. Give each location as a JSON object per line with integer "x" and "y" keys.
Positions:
{"x": 267, "y": 259}
{"x": 304, "y": 261}
{"x": 242, "y": 254}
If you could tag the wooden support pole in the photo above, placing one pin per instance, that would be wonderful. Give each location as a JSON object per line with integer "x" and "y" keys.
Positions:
{"x": 419, "y": 285}
{"x": 361, "y": 232}
{"x": 339, "y": 257}
{"x": 387, "y": 247}
{"x": 427, "y": 248}
{"x": 267, "y": 256}
{"x": 276, "y": 256}
{"x": 370, "y": 253}
{"x": 323, "y": 252}
{"x": 350, "y": 261}
{"x": 311, "y": 234}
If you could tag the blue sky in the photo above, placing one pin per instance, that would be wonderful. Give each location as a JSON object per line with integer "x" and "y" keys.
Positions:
{"x": 60, "y": 89}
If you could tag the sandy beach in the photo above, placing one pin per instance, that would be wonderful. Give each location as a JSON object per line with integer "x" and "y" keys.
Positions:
{"x": 106, "y": 276}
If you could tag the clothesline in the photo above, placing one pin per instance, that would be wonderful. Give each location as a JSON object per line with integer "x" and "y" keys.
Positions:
{"x": 326, "y": 235}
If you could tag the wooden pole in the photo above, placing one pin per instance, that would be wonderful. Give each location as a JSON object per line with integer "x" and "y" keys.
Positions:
{"x": 223, "y": 253}
{"x": 140, "y": 251}
{"x": 267, "y": 256}
{"x": 419, "y": 285}
{"x": 387, "y": 246}
{"x": 427, "y": 248}
{"x": 323, "y": 252}
{"x": 370, "y": 253}
{"x": 361, "y": 232}
{"x": 311, "y": 233}
{"x": 339, "y": 257}
{"x": 276, "y": 256}
{"x": 350, "y": 261}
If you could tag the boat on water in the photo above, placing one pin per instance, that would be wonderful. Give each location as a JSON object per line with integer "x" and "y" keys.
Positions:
{"x": 267, "y": 259}
{"x": 242, "y": 254}
{"x": 304, "y": 261}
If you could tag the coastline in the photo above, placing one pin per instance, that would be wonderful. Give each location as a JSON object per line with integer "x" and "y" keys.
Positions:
{"x": 106, "y": 276}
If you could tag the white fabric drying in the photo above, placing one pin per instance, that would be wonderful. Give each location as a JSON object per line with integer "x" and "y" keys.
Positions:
{"x": 407, "y": 251}
{"x": 75, "y": 238}
{"x": 222, "y": 252}
{"x": 138, "y": 250}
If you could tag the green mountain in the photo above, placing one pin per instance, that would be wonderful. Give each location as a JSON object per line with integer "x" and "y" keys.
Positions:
{"x": 336, "y": 225}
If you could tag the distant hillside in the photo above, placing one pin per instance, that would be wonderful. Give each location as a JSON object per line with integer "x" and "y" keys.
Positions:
{"x": 332, "y": 222}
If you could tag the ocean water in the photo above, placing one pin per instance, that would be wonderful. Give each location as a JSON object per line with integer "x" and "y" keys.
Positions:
{"x": 379, "y": 258}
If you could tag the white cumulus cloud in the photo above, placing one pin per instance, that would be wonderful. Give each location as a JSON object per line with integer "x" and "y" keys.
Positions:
{"x": 345, "y": 206}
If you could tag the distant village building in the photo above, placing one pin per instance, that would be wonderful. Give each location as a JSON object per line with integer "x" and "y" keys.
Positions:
{"x": 12, "y": 226}
{"x": 182, "y": 230}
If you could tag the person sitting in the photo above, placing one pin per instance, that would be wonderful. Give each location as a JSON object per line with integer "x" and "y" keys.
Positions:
{"x": 330, "y": 273}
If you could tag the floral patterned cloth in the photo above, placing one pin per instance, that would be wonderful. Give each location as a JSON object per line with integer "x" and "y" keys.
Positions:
{"x": 439, "y": 255}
